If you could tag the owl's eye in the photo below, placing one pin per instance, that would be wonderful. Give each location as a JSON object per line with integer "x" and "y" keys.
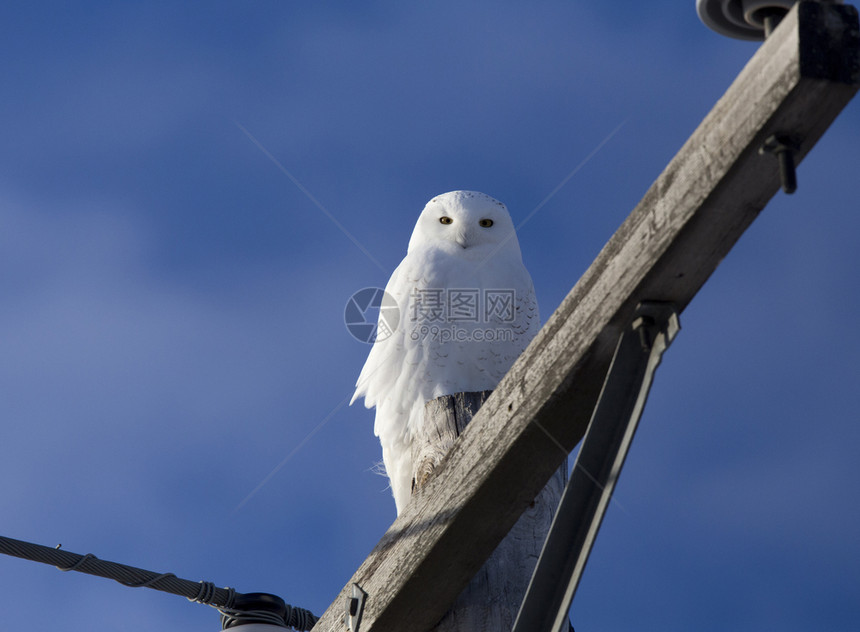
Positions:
{"x": 445, "y": 219}
{"x": 485, "y": 223}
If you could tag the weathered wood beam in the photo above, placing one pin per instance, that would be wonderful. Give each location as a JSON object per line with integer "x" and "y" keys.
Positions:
{"x": 794, "y": 86}
{"x": 492, "y": 597}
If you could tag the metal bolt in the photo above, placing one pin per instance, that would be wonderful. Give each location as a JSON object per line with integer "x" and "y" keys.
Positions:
{"x": 783, "y": 149}
{"x": 354, "y": 607}
{"x": 643, "y": 325}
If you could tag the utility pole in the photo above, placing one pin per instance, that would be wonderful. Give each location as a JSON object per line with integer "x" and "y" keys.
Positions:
{"x": 777, "y": 108}
{"x": 493, "y": 596}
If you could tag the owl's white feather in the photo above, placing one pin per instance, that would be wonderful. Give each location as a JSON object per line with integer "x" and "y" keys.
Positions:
{"x": 472, "y": 253}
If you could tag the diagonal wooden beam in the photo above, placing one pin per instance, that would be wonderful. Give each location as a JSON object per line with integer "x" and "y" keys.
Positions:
{"x": 793, "y": 87}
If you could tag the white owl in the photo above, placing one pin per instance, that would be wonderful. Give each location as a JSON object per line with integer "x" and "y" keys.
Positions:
{"x": 467, "y": 311}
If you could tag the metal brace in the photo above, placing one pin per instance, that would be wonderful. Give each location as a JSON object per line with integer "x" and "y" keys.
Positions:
{"x": 354, "y": 608}
{"x": 783, "y": 148}
{"x": 598, "y": 465}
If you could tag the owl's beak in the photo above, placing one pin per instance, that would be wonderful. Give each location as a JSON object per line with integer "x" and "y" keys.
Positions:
{"x": 462, "y": 240}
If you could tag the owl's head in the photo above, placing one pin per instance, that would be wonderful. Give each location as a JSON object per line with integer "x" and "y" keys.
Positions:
{"x": 466, "y": 223}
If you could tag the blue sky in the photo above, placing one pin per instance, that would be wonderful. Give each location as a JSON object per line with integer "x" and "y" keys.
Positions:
{"x": 171, "y": 323}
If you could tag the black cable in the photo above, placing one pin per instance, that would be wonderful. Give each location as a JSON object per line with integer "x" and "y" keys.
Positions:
{"x": 224, "y": 599}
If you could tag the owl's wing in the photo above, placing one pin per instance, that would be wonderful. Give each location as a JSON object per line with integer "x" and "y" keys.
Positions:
{"x": 380, "y": 362}
{"x": 387, "y": 379}
{"x": 527, "y": 322}
{"x": 393, "y": 380}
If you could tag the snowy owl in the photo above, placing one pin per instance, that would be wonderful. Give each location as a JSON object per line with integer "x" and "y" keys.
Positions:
{"x": 467, "y": 310}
